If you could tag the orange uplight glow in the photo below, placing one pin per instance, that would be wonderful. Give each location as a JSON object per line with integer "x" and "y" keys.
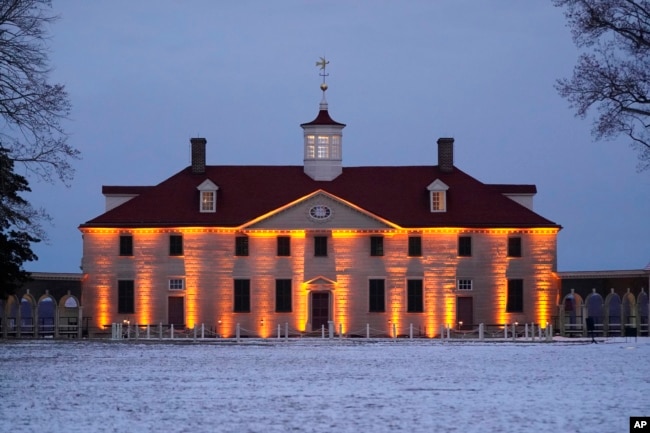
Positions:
{"x": 144, "y": 301}
{"x": 191, "y": 306}
{"x": 264, "y": 328}
{"x": 439, "y": 271}
{"x": 546, "y": 289}
{"x": 102, "y": 305}
{"x": 450, "y": 310}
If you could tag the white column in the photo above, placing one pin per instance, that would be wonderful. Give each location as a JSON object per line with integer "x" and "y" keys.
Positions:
{"x": 79, "y": 322}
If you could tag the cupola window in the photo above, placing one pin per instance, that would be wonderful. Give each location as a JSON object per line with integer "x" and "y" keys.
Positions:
{"x": 310, "y": 148}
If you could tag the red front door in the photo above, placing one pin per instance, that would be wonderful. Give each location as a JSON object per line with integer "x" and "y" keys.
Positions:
{"x": 320, "y": 310}
{"x": 176, "y": 312}
{"x": 464, "y": 312}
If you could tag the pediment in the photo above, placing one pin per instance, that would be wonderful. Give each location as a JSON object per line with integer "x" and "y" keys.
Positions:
{"x": 319, "y": 210}
{"x": 319, "y": 281}
{"x": 437, "y": 185}
{"x": 207, "y": 185}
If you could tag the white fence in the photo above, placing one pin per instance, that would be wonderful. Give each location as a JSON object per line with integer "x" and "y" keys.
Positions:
{"x": 514, "y": 332}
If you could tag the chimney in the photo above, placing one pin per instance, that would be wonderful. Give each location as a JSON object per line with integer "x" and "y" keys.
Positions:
{"x": 198, "y": 155}
{"x": 446, "y": 154}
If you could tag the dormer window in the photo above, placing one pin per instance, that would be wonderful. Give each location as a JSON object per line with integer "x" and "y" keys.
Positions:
{"x": 437, "y": 201}
{"x": 438, "y": 196}
{"x": 207, "y": 201}
{"x": 207, "y": 196}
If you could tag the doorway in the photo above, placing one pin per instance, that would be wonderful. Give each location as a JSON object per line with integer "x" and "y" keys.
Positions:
{"x": 176, "y": 312}
{"x": 464, "y": 312}
{"x": 320, "y": 310}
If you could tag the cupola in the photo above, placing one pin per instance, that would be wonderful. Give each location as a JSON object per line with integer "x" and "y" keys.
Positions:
{"x": 323, "y": 155}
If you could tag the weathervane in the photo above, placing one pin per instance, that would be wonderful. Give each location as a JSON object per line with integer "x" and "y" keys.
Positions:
{"x": 322, "y": 64}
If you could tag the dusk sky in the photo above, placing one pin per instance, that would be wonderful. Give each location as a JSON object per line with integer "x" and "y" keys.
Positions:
{"x": 146, "y": 76}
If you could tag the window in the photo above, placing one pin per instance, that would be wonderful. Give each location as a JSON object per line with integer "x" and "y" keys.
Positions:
{"x": 125, "y": 297}
{"x": 320, "y": 246}
{"x": 438, "y": 201}
{"x": 207, "y": 196}
{"x": 310, "y": 152}
{"x": 415, "y": 246}
{"x": 414, "y": 296}
{"x": 126, "y": 245}
{"x": 322, "y": 148}
{"x": 284, "y": 246}
{"x": 207, "y": 201}
{"x": 514, "y": 247}
{"x": 465, "y": 246}
{"x": 322, "y": 152}
{"x": 241, "y": 246}
{"x": 242, "y": 301}
{"x": 176, "y": 284}
{"x": 336, "y": 147}
{"x": 515, "y": 303}
{"x": 376, "y": 246}
{"x": 376, "y": 296}
{"x": 282, "y": 296}
{"x": 438, "y": 196}
{"x": 464, "y": 284}
{"x": 175, "y": 245}
{"x": 320, "y": 212}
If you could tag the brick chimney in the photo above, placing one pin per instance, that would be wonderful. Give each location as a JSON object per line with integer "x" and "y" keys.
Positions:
{"x": 198, "y": 155}
{"x": 446, "y": 154}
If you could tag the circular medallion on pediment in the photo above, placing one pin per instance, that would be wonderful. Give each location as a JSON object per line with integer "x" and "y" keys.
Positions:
{"x": 320, "y": 212}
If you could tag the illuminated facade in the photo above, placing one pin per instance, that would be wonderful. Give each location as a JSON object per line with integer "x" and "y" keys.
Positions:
{"x": 319, "y": 246}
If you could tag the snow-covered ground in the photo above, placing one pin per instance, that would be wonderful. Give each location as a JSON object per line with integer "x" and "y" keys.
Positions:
{"x": 323, "y": 386}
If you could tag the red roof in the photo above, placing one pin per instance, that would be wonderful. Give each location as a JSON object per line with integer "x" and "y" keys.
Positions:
{"x": 397, "y": 194}
{"x": 513, "y": 188}
{"x": 323, "y": 118}
{"x": 124, "y": 190}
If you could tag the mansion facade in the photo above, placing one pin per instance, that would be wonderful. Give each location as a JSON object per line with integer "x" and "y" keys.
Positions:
{"x": 320, "y": 245}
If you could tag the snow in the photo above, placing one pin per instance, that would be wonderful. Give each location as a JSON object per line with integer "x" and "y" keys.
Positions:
{"x": 314, "y": 385}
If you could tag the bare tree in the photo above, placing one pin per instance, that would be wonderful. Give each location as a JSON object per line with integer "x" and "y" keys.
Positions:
{"x": 31, "y": 109}
{"x": 612, "y": 76}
